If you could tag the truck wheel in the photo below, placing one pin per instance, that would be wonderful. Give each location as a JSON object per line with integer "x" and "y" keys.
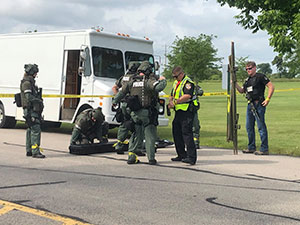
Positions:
{"x": 6, "y": 121}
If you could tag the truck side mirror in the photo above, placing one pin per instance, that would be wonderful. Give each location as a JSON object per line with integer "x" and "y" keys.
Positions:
{"x": 84, "y": 62}
{"x": 156, "y": 65}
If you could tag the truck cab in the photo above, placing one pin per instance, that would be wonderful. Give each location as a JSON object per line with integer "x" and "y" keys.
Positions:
{"x": 77, "y": 70}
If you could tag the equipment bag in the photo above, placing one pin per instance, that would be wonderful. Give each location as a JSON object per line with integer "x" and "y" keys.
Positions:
{"x": 119, "y": 115}
{"x": 18, "y": 100}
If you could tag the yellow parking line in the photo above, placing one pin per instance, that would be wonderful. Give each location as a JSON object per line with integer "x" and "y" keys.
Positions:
{"x": 8, "y": 206}
{"x": 6, "y": 209}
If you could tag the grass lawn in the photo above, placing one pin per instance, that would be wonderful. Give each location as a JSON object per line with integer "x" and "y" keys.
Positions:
{"x": 282, "y": 119}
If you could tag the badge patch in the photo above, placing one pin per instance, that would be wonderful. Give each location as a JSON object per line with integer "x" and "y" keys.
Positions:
{"x": 250, "y": 89}
{"x": 188, "y": 86}
{"x": 138, "y": 84}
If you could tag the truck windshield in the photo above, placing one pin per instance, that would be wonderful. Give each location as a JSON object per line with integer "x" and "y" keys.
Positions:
{"x": 107, "y": 62}
{"x": 135, "y": 56}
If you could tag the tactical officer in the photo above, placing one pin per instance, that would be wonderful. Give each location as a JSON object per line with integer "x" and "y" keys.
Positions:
{"x": 254, "y": 87}
{"x": 90, "y": 124}
{"x": 182, "y": 100}
{"x": 143, "y": 92}
{"x": 123, "y": 113}
{"x": 196, "y": 123}
{"x": 33, "y": 106}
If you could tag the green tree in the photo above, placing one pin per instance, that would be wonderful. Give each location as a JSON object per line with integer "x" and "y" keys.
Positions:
{"x": 197, "y": 57}
{"x": 241, "y": 73}
{"x": 280, "y": 18}
{"x": 292, "y": 62}
{"x": 214, "y": 74}
{"x": 264, "y": 68}
{"x": 288, "y": 65}
{"x": 278, "y": 62}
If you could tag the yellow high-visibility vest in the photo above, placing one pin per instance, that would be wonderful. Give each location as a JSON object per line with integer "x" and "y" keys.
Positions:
{"x": 179, "y": 92}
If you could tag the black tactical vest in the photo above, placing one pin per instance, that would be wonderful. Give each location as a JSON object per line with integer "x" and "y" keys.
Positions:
{"x": 143, "y": 87}
{"x": 255, "y": 87}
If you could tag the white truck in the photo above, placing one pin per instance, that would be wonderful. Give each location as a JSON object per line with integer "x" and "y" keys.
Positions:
{"x": 80, "y": 62}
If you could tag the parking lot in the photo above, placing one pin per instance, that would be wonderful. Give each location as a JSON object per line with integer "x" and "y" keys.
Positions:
{"x": 221, "y": 188}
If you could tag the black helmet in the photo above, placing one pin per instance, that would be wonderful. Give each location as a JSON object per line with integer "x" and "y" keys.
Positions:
{"x": 133, "y": 66}
{"x": 145, "y": 68}
{"x": 31, "y": 69}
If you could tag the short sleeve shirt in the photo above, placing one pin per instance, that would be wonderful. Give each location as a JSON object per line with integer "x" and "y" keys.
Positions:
{"x": 256, "y": 85}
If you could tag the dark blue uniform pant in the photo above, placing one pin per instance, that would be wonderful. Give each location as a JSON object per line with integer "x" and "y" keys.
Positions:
{"x": 182, "y": 128}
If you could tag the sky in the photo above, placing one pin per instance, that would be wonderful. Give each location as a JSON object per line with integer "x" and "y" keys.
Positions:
{"x": 160, "y": 20}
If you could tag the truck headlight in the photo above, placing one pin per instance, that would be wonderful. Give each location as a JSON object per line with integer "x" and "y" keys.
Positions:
{"x": 161, "y": 109}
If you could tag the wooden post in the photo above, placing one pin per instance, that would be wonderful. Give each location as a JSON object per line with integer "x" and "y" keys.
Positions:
{"x": 232, "y": 121}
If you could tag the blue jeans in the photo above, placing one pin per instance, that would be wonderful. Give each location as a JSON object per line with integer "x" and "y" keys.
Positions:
{"x": 262, "y": 128}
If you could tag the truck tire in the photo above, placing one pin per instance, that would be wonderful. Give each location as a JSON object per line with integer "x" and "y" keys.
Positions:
{"x": 6, "y": 121}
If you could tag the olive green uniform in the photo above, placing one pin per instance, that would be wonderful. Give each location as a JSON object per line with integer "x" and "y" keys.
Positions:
{"x": 125, "y": 125}
{"x": 125, "y": 120}
{"x": 86, "y": 129}
{"x": 143, "y": 94}
{"x": 32, "y": 104}
{"x": 196, "y": 122}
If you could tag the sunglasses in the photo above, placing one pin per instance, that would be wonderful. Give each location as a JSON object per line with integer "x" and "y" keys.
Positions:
{"x": 250, "y": 68}
{"x": 175, "y": 76}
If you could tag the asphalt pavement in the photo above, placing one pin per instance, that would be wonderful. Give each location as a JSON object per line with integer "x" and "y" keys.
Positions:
{"x": 222, "y": 188}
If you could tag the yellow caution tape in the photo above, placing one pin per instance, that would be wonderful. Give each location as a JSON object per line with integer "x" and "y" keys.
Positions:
{"x": 77, "y": 96}
{"x": 228, "y": 103}
{"x": 214, "y": 93}
{"x": 111, "y": 96}
{"x": 62, "y": 96}
{"x": 164, "y": 96}
{"x": 7, "y": 95}
{"x": 290, "y": 89}
{"x": 205, "y": 94}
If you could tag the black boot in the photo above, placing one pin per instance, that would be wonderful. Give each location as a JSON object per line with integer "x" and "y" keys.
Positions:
{"x": 132, "y": 158}
{"x": 140, "y": 153}
{"x": 152, "y": 162}
{"x": 38, "y": 156}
